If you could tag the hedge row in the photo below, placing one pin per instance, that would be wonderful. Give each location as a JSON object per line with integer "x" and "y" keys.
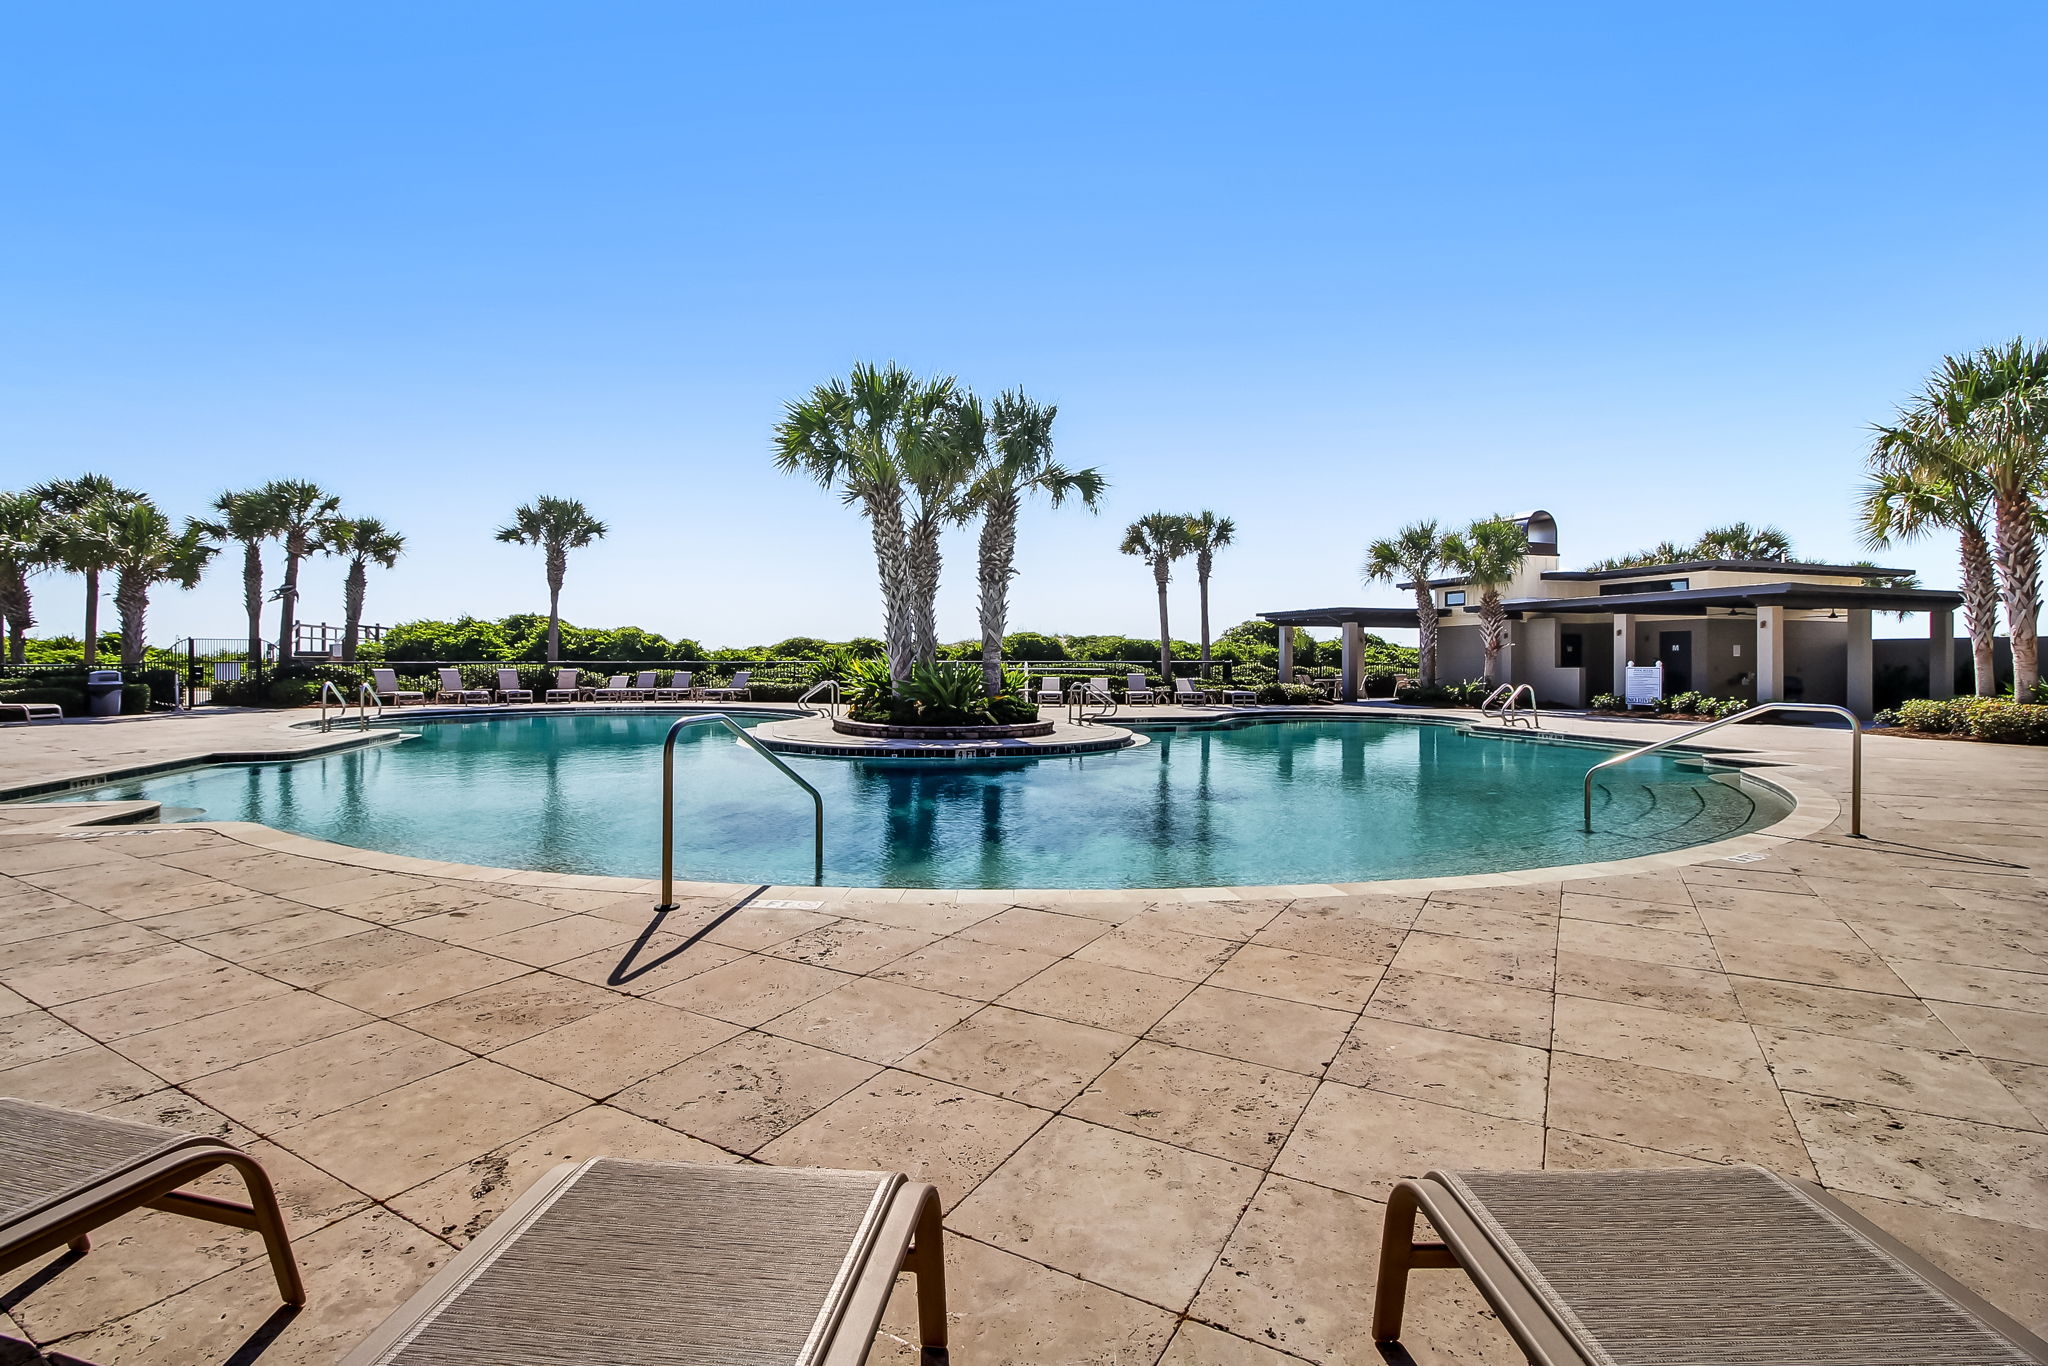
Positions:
{"x": 1997, "y": 719}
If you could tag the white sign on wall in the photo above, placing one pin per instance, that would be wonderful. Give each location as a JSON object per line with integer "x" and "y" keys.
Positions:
{"x": 1644, "y": 683}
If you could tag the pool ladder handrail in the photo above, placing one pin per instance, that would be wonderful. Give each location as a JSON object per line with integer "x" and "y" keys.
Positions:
{"x": 1751, "y": 714}
{"x": 1082, "y": 695}
{"x": 668, "y": 800}
{"x": 341, "y": 702}
{"x": 1510, "y": 714}
{"x": 832, "y": 708}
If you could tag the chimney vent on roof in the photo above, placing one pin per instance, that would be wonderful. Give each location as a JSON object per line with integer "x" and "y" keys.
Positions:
{"x": 1542, "y": 530}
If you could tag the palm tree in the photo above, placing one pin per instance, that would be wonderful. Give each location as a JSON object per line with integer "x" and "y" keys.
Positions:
{"x": 557, "y": 526}
{"x": 1918, "y": 483}
{"x": 249, "y": 517}
{"x": 1159, "y": 538}
{"x": 1416, "y": 553}
{"x": 81, "y": 554}
{"x": 1741, "y": 541}
{"x": 303, "y": 510}
{"x": 857, "y": 436}
{"x": 943, "y": 439}
{"x": 2007, "y": 398}
{"x": 363, "y": 541}
{"x": 27, "y": 545}
{"x": 1018, "y": 462}
{"x": 1207, "y": 534}
{"x": 142, "y": 549}
{"x": 1489, "y": 553}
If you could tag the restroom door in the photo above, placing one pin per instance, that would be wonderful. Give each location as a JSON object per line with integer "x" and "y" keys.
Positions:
{"x": 1674, "y": 650}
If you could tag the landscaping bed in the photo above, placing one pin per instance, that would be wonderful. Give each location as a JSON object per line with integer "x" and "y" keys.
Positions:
{"x": 873, "y": 731}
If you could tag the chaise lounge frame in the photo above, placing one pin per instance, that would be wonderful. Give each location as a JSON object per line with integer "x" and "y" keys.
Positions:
{"x": 67, "y": 1173}
{"x": 610, "y": 1204}
{"x": 1749, "y": 1232}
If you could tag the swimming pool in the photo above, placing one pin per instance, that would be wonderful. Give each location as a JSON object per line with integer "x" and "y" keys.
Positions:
{"x": 1213, "y": 804}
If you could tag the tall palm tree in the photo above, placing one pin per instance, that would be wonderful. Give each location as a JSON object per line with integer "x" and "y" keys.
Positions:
{"x": 1207, "y": 534}
{"x": 944, "y": 438}
{"x": 1918, "y": 482}
{"x": 557, "y": 526}
{"x": 1018, "y": 462}
{"x": 27, "y": 545}
{"x": 248, "y": 517}
{"x": 1741, "y": 541}
{"x": 1159, "y": 538}
{"x": 76, "y": 550}
{"x": 142, "y": 548}
{"x": 1417, "y": 553}
{"x": 362, "y": 541}
{"x": 303, "y": 511}
{"x": 1489, "y": 553}
{"x": 857, "y": 436}
{"x": 2010, "y": 418}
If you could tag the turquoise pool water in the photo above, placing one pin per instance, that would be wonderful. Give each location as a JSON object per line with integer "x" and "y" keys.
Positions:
{"x": 1217, "y": 804}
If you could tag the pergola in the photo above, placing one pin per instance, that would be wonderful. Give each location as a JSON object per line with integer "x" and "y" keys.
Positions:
{"x": 1352, "y": 620}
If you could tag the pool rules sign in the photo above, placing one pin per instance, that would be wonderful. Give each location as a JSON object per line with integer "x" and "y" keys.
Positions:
{"x": 1644, "y": 683}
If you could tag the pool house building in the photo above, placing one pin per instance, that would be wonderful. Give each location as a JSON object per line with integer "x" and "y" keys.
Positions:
{"x": 1765, "y": 630}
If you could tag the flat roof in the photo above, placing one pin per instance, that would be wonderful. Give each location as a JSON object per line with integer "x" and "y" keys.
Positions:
{"x": 1653, "y": 571}
{"x": 1393, "y": 618}
{"x": 1693, "y": 601}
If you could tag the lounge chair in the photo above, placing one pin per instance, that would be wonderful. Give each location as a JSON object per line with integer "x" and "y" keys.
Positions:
{"x": 25, "y": 712}
{"x": 644, "y": 684}
{"x": 616, "y": 690}
{"x": 1051, "y": 692}
{"x": 678, "y": 689}
{"x": 566, "y": 688}
{"x": 1136, "y": 689}
{"x": 453, "y": 691}
{"x": 389, "y": 691}
{"x": 1720, "y": 1264}
{"x": 1232, "y": 696}
{"x": 509, "y": 689}
{"x": 64, "y": 1173}
{"x": 735, "y": 691}
{"x": 639, "y": 1263}
{"x": 1187, "y": 694}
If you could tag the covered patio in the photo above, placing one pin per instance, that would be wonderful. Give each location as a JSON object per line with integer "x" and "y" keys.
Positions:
{"x": 1353, "y": 622}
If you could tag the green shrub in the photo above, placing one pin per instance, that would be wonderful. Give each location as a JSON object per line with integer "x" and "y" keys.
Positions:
{"x": 1945, "y": 717}
{"x": 799, "y": 647}
{"x": 1469, "y": 693}
{"x": 134, "y": 698}
{"x": 293, "y": 692}
{"x": 1607, "y": 701}
{"x": 775, "y": 692}
{"x": 72, "y": 700}
{"x": 1011, "y": 710}
{"x": 1034, "y": 646}
{"x": 1291, "y": 695}
{"x": 464, "y": 638}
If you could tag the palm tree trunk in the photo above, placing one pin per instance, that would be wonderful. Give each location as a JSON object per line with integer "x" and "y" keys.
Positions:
{"x": 892, "y": 568}
{"x": 252, "y": 598}
{"x": 2019, "y": 583}
{"x": 558, "y": 570}
{"x": 92, "y": 617}
{"x": 1159, "y": 573}
{"x": 1980, "y": 609}
{"x": 1202, "y": 583}
{"x": 352, "y": 607}
{"x": 998, "y": 566}
{"x": 131, "y": 599}
{"x": 14, "y": 607}
{"x": 1493, "y": 630}
{"x": 1426, "y": 629}
{"x": 924, "y": 580}
{"x": 288, "y": 609}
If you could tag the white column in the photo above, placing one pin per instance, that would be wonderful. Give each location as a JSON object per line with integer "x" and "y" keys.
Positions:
{"x": 1286, "y": 653}
{"x": 1857, "y": 687}
{"x": 1941, "y": 653}
{"x": 1770, "y": 654}
{"x": 1352, "y": 646}
{"x": 1624, "y": 646}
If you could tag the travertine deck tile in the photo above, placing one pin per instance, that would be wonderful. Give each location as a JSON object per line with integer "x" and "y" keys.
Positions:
{"x": 607, "y": 1051}
{"x": 878, "y": 1020}
{"x": 1460, "y": 1070}
{"x": 1511, "y": 1014}
{"x": 1097, "y": 994}
{"x": 1978, "y": 1169}
{"x": 1952, "y": 1084}
{"x": 1035, "y": 1059}
{"x": 1363, "y": 1141}
{"x": 746, "y": 1091}
{"x": 1241, "y": 1112}
{"x": 1258, "y": 1029}
{"x": 1657, "y": 1038}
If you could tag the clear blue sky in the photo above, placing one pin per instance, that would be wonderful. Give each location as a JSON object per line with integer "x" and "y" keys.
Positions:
{"x": 1323, "y": 268}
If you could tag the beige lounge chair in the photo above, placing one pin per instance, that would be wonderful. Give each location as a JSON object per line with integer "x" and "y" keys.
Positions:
{"x": 566, "y": 688}
{"x": 1701, "y": 1265}
{"x": 1185, "y": 693}
{"x": 25, "y": 712}
{"x": 678, "y": 689}
{"x": 616, "y": 689}
{"x": 453, "y": 691}
{"x": 1137, "y": 690}
{"x": 509, "y": 689}
{"x": 389, "y": 691}
{"x": 735, "y": 691}
{"x": 64, "y": 1173}
{"x": 1238, "y": 695}
{"x": 660, "y": 1263}
{"x": 1052, "y": 692}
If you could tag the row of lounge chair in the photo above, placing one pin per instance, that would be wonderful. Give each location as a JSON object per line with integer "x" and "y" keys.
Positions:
{"x": 655, "y": 1263}
{"x": 1056, "y": 691}
{"x": 568, "y": 688}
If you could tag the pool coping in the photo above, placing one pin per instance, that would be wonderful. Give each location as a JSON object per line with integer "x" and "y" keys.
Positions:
{"x": 1813, "y": 809}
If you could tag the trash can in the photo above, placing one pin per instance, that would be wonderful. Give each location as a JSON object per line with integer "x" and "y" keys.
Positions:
{"x": 103, "y": 691}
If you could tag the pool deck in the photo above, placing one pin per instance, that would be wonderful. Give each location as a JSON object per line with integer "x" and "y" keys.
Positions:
{"x": 1162, "y": 1121}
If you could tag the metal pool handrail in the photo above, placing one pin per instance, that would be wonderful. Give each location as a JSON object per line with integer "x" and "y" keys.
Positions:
{"x": 1855, "y": 753}
{"x": 1509, "y": 713}
{"x": 668, "y": 800}
{"x": 369, "y": 692}
{"x": 328, "y": 686}
{"x": 832, "y": 707}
